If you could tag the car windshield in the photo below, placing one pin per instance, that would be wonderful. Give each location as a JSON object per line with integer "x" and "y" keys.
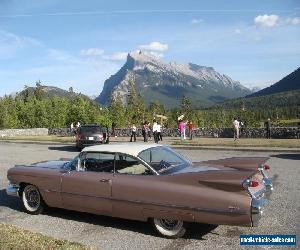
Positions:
{"x": 164, "y": 160}
{"x": 71, "y": 165}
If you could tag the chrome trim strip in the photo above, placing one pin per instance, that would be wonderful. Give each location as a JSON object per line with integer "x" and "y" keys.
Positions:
{"x": 12, "y": 190}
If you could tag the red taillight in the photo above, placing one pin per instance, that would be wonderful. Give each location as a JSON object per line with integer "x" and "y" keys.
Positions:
{"x": 266, "y": 167}
{"x": 253, "y": 183}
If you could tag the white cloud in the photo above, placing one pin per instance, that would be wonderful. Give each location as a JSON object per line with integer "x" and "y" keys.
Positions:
{"x": 91, "y": 52}
{"x": 196, "y": 21}
{"x": 237, "y": 31}
{"x": 266, "y": 20}
{"x": 11, "y": 44}
{"x": 294, "y": 21}
{"x": 155, "y": 46}
{"x": 118, "y": 56}
{"x": 13, "y": 39}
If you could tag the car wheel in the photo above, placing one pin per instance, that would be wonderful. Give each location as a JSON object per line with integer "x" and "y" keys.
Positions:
{"x": 170, "y": 228}
{"x": 32, "y": 200}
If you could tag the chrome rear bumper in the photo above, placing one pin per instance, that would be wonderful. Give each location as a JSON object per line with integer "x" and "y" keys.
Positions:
{"x": 269, "y": 187}
{"x": 257, "y": 210}
{"x": 13, "y": 190}
{"x": 259, "y": 199}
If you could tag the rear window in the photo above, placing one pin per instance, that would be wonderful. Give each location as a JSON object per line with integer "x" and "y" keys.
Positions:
{"x": 92, "y": 129}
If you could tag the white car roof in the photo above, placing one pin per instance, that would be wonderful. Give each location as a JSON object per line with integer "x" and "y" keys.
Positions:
{"x": 127, "y": 148}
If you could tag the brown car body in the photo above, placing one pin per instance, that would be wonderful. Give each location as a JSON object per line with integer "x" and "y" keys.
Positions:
{"x": 213, "y": 192}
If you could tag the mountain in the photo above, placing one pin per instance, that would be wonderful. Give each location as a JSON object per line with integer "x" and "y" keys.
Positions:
{"x": 267, "y": 102}
{"x": 288, "y": 83}
{"x": 50, "y": 91}
{"x": 166, "y": 83}
{"x": 255, "y": 89}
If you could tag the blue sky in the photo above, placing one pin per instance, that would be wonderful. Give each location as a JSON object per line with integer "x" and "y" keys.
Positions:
{"x": 81, "y": 43}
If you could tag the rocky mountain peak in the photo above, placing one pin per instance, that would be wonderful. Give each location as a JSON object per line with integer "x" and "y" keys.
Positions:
{"x": 159, "y": 81}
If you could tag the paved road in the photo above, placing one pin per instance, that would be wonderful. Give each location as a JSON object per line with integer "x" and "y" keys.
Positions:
{"x": 281, "y": 217}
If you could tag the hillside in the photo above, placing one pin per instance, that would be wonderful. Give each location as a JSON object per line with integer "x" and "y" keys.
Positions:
{"x": 50, "y": 91}
{"x": 166, "y": 83}
{"x": 288, "y": 83}
{"x": 278, "y": 100}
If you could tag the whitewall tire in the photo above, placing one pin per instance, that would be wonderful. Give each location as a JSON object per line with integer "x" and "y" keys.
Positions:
{"x": 32, "y": 200}
{"x": 170, "y": 228}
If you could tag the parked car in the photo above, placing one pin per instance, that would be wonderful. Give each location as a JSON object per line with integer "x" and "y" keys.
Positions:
{"x": 88, "y": 135}
{"x": 147, "y": 182}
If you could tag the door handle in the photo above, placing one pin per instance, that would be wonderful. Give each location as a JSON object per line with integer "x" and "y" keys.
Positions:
{"x": 104, "y": 180}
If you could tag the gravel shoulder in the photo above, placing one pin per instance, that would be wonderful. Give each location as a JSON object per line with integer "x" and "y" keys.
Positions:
{"x": 282, "y": 214}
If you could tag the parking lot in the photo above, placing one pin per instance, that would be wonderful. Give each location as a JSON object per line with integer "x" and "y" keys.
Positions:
{"x": 281, "y": 216}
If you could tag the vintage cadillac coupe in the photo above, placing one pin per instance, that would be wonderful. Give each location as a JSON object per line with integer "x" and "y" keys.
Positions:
{"x": 147, "y": 182}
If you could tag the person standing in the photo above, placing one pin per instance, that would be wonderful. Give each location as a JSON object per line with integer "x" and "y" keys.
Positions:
{"x": 159, "y": 136}
{"x": 191, "y": 130}
{"x": 72, "y": 127}
{"x": 113, "y": 127}
{"x": 154, "y": 130}
{"x": 236, "y": 128}
{"x": 133, "y": 133}
{"x": 181, "y": 129}
{"x": 184, "y": 124}
{"x": 268, "y": 126}
{"x": 73, "y": 130}
{"x": 145, "y": 130}
{"x": 241, "y": 127}
{"x": 149, "y": 130}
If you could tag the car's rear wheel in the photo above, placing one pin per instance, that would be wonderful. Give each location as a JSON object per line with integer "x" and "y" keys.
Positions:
{"x": 170, "y": 228}
{"x": 32, "y": 200}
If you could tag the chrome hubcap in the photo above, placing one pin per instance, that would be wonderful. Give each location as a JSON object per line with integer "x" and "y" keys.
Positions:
{"x": 32, "y": 197}
{"x": 170, "y": 224}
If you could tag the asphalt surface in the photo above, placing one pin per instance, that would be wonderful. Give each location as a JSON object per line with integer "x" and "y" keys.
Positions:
{"x": 281, "y": 215}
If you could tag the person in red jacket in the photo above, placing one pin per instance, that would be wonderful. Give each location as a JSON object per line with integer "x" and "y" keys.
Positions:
{"x": 190, "y": 130}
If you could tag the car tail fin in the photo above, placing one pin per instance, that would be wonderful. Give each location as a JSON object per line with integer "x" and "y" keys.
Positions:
{"x": 225, "y": 180}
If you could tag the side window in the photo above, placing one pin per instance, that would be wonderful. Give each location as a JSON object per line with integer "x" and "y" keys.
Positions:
{"x": 129, "y": 165}
{"x": 98, "y": 162}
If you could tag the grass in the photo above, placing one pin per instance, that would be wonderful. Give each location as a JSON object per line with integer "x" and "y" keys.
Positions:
{"x": 229, "y": 142}
{"x": 12, "y": 237}
{"x": 243, "y": 142}
{"x": 46, "y": 138}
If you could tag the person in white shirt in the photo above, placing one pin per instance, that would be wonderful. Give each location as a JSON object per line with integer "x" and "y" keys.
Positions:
{"x": 236, "y": 128}
{"x": 154, "y": 130}
{"x": 133, "y": 133}
{"x": 159, "y": 137}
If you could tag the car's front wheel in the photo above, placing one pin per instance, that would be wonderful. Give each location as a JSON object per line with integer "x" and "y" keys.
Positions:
{"x": 170, "y": 228}
{"x": 31, "y": 200}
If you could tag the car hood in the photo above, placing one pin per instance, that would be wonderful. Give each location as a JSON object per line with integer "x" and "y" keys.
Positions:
{"x": 57, "y": 164}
